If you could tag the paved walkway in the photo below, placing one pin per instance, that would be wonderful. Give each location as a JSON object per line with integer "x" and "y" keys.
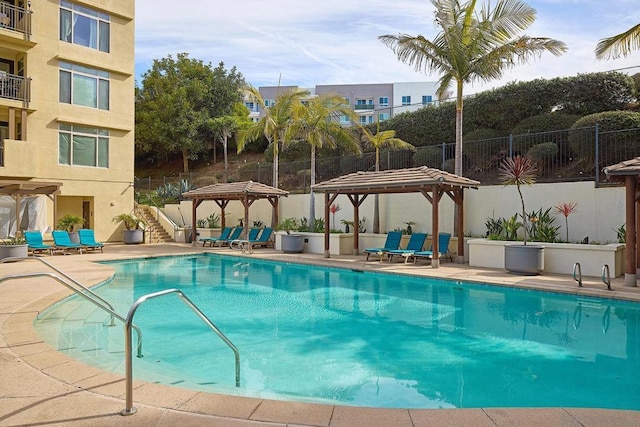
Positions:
{"x": 39, "y": 386}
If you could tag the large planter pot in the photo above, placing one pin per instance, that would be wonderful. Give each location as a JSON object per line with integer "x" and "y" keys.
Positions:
{"x": 74, "y": 237}
{"x": 524, "y": 259}
{"x": 292, "y": 243}
{"x": 13, "y": 251}
{"x": 132, "y": 236}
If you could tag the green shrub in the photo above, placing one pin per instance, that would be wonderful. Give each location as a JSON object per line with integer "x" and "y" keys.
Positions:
{"x": 428, "y": 156}
{"x": 543, "y": 155}
{"x": 614, "y": 147}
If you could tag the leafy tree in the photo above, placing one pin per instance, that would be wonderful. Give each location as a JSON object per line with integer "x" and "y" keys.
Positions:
{"x": 385, "y": 138}
{"x": 177, "y": 99}
{"x": 619, "y": 45}
{"x": 276, "y": 123}
{"x": 223, "y": 128}
{"x": 472, "y": 45}
{"x": 318, "y": 124}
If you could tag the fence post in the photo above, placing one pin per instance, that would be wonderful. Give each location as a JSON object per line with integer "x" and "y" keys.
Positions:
{"x": 597, "y": 158}
{"x": 510, "y": 145}
{"x": 259, "y": 172}
{"x": 444, "y": 156}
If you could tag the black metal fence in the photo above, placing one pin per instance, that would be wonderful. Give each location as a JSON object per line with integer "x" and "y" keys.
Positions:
{"x": 560, "y": 156}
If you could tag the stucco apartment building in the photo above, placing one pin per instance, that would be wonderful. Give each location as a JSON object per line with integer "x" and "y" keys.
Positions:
{"x": 371, "y": 102}
{"x": 66, "y": 113}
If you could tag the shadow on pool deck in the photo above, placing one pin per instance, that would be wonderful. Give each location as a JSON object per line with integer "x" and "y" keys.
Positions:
{"x": 39, "y": 386}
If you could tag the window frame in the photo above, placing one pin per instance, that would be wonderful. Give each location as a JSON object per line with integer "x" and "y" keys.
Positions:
{"x": 73, "y": 17}
{"x": 79, "y": 138}
{"x": 74, "y": 79}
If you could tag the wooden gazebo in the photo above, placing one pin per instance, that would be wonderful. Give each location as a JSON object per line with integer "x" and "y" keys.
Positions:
{"x": 246, "y": 192}
{"x": 629, "y": 173}
{"x": 17, "y": 189}
{"x": 431, "y": 183}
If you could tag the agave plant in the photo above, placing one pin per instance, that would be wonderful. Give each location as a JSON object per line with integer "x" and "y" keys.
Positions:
{"x": 518, "y": 171}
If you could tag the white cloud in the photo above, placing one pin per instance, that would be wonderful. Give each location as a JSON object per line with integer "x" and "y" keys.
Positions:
{"x": 336, "y": 42}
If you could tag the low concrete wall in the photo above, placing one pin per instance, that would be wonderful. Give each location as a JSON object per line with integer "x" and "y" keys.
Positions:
{"x": 559, "y": 258}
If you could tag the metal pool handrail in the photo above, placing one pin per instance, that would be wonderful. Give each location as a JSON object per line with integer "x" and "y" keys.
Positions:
{"x": 129, "y": 408}
{"x": 106, "y": 306}
{"x": 66, "y": 276}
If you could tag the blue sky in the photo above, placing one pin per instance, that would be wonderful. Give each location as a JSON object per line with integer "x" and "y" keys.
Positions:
{"x": 307, "y": 43}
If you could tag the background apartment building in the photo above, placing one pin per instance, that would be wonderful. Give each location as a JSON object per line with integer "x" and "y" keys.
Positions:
{"x": 371, "y": 102}
{"x": 66, "y": 113}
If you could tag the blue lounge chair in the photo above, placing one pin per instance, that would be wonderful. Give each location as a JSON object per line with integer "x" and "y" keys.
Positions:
{"x": 35, "y": 242}
{"x": 235, "y": 235}
{"x": 415, "y": 244}
{"x": 248, "y": 244}
{"x": 253, "y": 233}
{"x": 224, "y": 234}
{"x": 62, "y": 242}
{"x": 443, "y": 248}
{"x": 392, "y": 243}
{"x": 88, "y": 240}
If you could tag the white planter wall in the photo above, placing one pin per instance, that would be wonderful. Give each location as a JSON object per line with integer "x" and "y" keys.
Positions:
{"x": 600, "y": 210}
{"x": 559, "y": 258}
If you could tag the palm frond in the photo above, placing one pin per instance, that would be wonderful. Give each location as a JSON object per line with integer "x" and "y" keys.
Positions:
{"x": 619, "y": 45}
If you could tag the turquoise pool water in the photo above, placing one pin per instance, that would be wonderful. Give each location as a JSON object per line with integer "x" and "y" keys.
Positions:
{"x": 359, "y": 338}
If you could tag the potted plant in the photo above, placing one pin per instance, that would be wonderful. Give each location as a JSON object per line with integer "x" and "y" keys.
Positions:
{"x": 290, "y": 243}
{"x": 14, "y": 247}
{"x": 133, "y": 232}
{"x": 409, "y": 229}
{"x": 521, "y": 258}
{"x": 68, "y": 223}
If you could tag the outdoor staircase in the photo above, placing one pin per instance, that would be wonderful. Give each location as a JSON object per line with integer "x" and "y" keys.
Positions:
{"x": 155, "y": 232}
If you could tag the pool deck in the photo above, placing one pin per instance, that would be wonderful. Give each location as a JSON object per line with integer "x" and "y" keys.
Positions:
{"x": 39, "y": 386}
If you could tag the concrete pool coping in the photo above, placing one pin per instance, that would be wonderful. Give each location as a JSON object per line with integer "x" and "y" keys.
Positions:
{"x": 42, "y": 386}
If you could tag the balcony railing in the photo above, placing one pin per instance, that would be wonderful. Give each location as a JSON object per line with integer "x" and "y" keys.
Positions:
{"x": 15, "y": 19}
{"x": 363, "y": 107}
{"x": 15, "y": 87}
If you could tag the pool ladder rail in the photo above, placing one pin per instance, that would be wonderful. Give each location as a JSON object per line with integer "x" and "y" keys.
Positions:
{"x": 76, "y": 287}
{"x": 100, "y": 302}
{"x": 606, "y": 276}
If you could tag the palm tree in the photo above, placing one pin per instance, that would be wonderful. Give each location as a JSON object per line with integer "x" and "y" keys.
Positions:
{"x": 472, "y": 45}
{"x": 619, "y": 45}
{"x": 386, "y": 138}
{"x": 319, "y": 125}
{"x": 276, "y": 123}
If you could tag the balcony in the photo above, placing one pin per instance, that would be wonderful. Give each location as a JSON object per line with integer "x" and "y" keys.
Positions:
{"x": 15, "y": 19}
{"x": 14, "y": 87}
{"x": 360, "y": 107}
{"x": 18, "y": 158}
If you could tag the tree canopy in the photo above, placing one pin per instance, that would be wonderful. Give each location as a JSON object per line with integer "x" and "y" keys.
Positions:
{"x": 176, "y": 102}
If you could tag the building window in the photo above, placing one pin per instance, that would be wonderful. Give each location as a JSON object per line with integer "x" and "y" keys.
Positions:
{"x": 250, "y": 106}
{"x": 406, "y": 100}
{"x": 384, "y": 101}
{"x": 84, "y": 26}
{"x": 84, "y": 86}
{"x": 364, "y": 104}
{"x": 363, "y": 120}
{"x": 344, "y": 119}
{"x": 383, "y": 116}
{"x": 426, "y": 99}
{"x": 83, "y": 146}
{"x": 269, "y": 102}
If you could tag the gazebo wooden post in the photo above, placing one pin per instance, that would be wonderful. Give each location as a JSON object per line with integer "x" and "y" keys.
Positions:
{"x": 459, "y": 200}
{"x": 194, "y": 207}
{"x": 246, "y": 204}
{"x": 435, "y": 258}
{"x": 327, "y": 252}
{"x": 630, "y": 276}
{"x": 274, "y": 213}
{"x": 356, "y": 223}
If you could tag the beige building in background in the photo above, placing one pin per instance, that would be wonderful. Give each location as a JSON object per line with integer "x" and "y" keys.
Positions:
{"x": 67, "y": 108}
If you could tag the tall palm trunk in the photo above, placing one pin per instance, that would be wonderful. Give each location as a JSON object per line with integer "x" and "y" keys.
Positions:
{"x": 459, "y": 106}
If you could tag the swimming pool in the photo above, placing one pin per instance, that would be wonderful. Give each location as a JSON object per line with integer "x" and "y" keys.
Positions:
{"x": 359, "y": 338}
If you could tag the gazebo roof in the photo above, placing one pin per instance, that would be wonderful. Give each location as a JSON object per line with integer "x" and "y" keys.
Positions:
{"x": 23, "y": 188}
{"x": 628, "y": 167}
{"x": 235, "y": 191}
{"x": 394, "y": 181}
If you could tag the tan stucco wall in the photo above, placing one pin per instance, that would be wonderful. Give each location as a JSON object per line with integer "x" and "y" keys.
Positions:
{"x": 109, "y": 190}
